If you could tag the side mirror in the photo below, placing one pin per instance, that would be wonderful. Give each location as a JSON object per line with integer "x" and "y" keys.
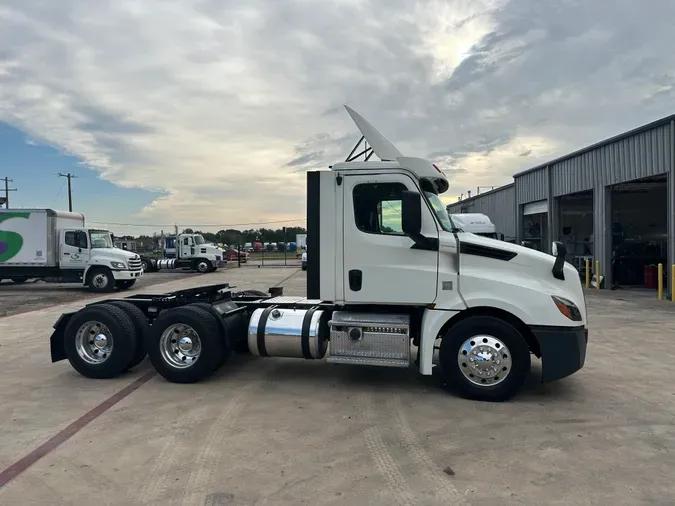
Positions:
{"x": 559, "y": 252}
{"x": 411, "y": 213}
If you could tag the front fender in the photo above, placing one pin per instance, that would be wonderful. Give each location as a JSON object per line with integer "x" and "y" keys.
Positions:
{"x": 56, "y": 341}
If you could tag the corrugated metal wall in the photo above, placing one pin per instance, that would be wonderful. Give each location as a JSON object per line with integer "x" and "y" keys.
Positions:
{"x": 532, "y": 186}
{"x": 642, "y": 155}
{"x": 499, "y": 205}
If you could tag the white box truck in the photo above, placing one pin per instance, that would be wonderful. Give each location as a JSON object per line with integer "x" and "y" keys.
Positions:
{"x": 55, "y": 246}
{"x": 390, "y": 276}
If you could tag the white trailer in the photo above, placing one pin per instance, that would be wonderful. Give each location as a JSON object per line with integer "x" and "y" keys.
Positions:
{"x": 301, "y": 241}
{"x": 390, "y": 277}
{"x": 476, "y": 223}
{"x": 56, "y": 246}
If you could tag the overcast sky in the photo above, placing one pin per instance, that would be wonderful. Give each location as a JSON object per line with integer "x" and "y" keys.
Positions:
{"x": 221, "y": 105}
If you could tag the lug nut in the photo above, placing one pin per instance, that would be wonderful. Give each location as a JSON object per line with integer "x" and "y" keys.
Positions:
{"x": 91, "y": 342}
{"x": 173, "y": 341}
{"x": 95, "y": 351}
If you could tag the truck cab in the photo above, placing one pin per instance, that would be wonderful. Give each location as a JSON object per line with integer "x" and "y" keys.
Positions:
{"x": 91, "y": 252}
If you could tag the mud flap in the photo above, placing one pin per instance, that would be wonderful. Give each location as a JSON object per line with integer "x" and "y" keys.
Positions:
{"x": 56, "y": 341}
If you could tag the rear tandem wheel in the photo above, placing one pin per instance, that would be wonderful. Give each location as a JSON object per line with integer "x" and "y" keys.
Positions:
{"x": 100, "y": 341}
{"x": 186, "y": 344}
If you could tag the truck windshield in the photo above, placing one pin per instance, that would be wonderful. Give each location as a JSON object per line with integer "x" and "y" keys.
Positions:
{"x": 100, "y": 239}
{"x": 199, "y": 239}
{"x": 439, "y": 209}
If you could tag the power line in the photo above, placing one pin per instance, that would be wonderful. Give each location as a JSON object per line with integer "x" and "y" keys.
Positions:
{"x": 195, "y": 225}
{"x": 7, "y": 189}
{"x": 70, "y": 193}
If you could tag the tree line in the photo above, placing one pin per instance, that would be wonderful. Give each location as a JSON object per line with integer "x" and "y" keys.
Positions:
{"x": 233, "y": 237}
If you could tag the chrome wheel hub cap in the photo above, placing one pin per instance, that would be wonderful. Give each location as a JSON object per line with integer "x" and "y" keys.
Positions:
{"x": 94, "y": 342}
{"x": 180, "y": 345}
{"x": 484, "y": 360}
{"x": 100, "y": 281}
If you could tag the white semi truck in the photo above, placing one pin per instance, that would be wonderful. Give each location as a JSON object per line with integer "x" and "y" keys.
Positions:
{"x": 188, "y": 252}
{"x": 55, "y": 246}
{"x": 390, "y": 276}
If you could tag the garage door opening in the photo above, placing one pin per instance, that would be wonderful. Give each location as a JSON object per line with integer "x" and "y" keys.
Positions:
{"x": 639, "y": 232}
{"x": 575, "y": 227}
{"x": 535, "y": 225}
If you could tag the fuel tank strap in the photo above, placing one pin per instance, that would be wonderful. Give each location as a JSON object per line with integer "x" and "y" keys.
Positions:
{"x": 261, "y": 331}
{"x": 304, "y": 339}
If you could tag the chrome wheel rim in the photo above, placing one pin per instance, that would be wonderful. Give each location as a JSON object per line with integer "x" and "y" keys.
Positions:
{"x": 144, "y": 266}
{"x": 94, "y": 342}
{"x": 180, "y": 345}
{"x": 100, "y": 280}
{"x": 484, "y": 360}
{"x": 202, "y": 267}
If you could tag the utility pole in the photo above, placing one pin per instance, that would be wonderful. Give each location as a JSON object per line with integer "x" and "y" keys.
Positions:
{"x": 7, "y": 189}
{"x": 70, "y": 194}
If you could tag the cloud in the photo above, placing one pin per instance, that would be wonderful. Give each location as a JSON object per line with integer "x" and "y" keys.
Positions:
{"x": 223, "y": 105}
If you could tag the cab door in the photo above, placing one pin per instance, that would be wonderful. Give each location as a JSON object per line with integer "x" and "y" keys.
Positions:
{"x": 380, "y": 264}
{"x": 75, "y": 251}
{"x": 187, "y": 247}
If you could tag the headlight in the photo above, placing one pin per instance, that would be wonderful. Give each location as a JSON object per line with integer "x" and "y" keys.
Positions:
{"x": 567, "y": 308}
{"x": 118, "y": 265}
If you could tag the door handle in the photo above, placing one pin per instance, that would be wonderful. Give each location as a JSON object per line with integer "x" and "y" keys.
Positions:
{"x": 355, "y": 280}
{"x": 66, "y": 254}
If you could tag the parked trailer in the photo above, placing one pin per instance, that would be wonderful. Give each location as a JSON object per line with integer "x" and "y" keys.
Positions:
{"x": 382, "y": 288}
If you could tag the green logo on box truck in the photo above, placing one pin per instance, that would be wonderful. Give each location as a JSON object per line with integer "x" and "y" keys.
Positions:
{"x": 10, "y": 242}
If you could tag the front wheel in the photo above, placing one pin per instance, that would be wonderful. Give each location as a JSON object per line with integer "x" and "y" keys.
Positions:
{"x": 203, "y": 266}
{"x": 101, "y": 280}
{"x": 484, "y": 358}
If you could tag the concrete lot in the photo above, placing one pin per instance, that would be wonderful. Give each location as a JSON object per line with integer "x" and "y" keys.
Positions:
{"x": 36, "y": 295}
{"x": 284, "y": 431}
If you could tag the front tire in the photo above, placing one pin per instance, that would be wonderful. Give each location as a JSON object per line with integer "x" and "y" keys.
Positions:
{"x": 100, "y": 280}
{"x": 203, "y": 266}
{"x": 100, "y": 341}
{"x": 186, "y": 344}
{"x": 484, "y": 358}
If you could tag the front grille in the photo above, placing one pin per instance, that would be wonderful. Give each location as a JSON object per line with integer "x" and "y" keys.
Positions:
{"x": 218, "y": 259}
{"x": 135, "y": 264}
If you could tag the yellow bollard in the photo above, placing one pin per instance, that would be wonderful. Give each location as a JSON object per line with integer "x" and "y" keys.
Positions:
{"x": 659, "y": 293}
{"x": 588, "y": 273}
{"x": 597, "y": 274}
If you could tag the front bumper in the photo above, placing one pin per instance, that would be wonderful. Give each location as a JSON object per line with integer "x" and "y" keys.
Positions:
{"x": 562, "y": 349}
{"x": 126, "y": 275}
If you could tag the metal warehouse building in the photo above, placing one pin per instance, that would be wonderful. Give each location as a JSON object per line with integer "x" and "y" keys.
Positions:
{"x": 613, "y": 201}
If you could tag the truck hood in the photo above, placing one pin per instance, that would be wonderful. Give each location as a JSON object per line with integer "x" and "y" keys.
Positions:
{"x": 532, "y": 264}
{"x": 114, "y": 252}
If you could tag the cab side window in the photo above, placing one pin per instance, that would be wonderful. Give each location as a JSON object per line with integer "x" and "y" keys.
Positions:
{"x": 377, "y": 208}
{"x": 71, "y": 239}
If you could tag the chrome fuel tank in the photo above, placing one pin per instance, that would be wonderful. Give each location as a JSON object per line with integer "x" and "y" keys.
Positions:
{"x": 286, "y": 332}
